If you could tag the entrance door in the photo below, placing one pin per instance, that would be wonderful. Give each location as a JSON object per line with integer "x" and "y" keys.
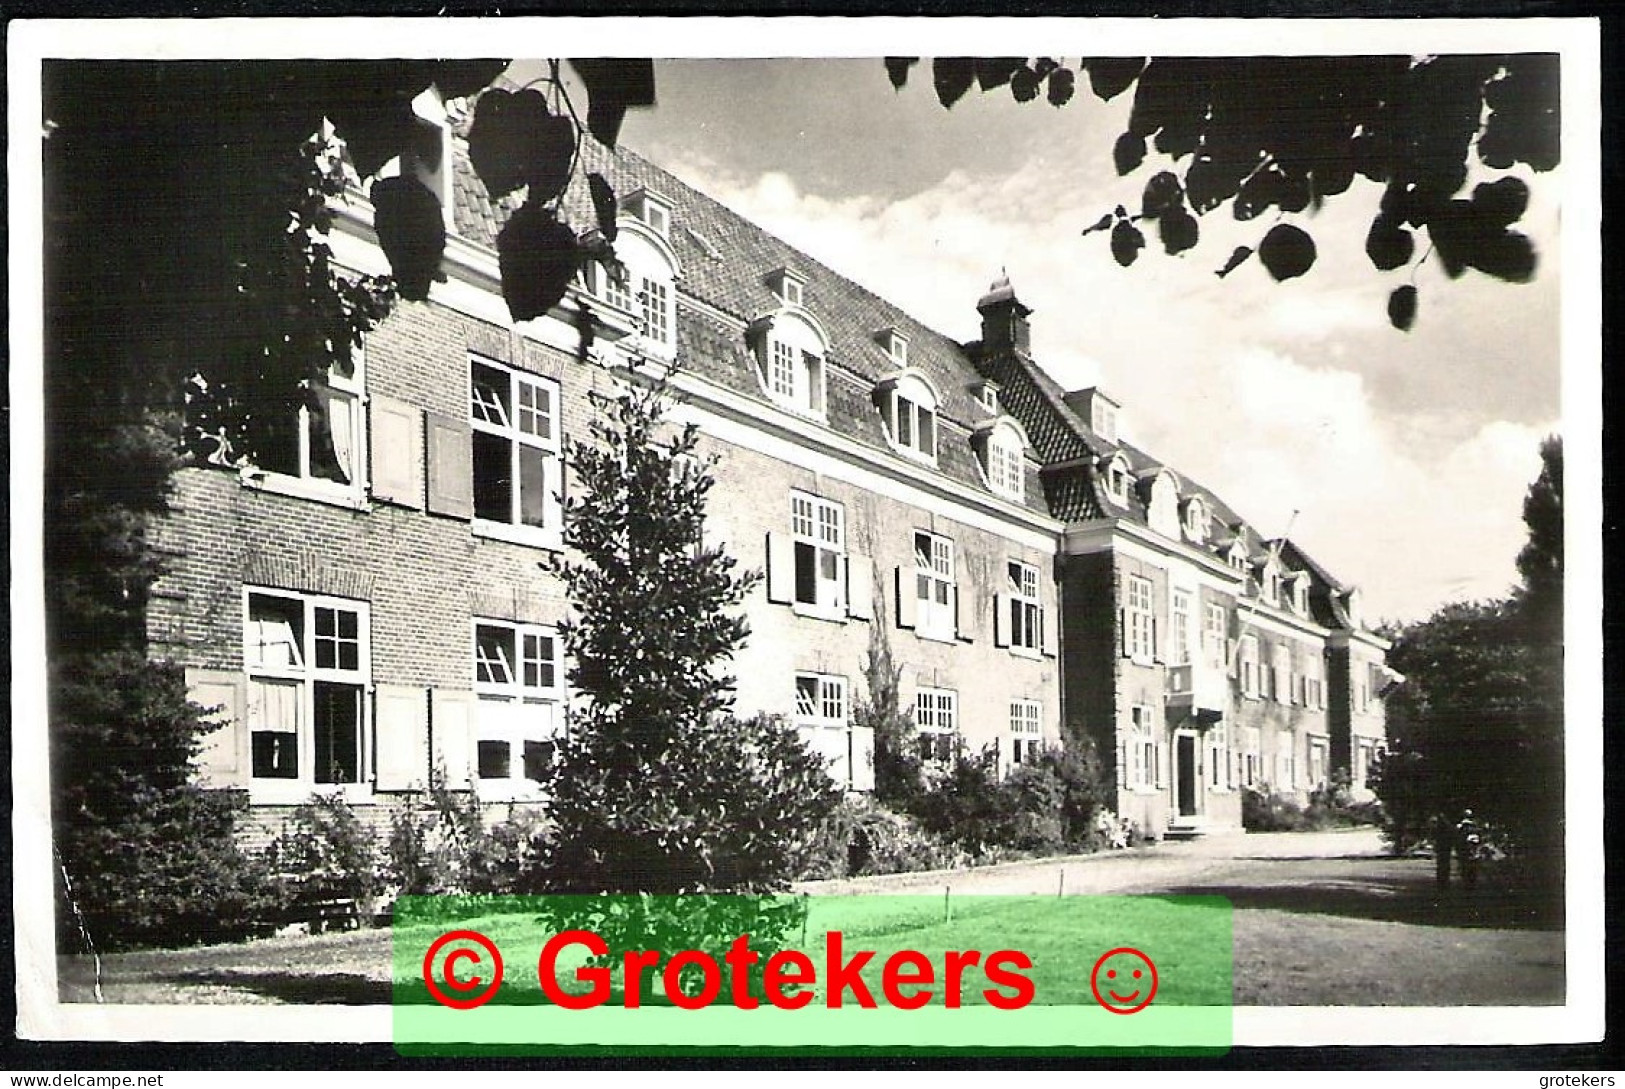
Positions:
{"x": 1185, "y": 775}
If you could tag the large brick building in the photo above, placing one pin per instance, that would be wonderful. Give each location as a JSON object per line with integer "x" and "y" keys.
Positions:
{"x": 371, "y": 601}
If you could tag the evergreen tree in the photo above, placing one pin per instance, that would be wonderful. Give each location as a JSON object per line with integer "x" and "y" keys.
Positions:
{"x": 656, "y": 788}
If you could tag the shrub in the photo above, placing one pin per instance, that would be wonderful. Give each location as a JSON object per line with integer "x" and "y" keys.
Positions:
{"x": 432, "y": 840}
{"x": 151, "y": 858}
{"x": 510, "y": 858}
{"x": 1043, "y": 806}
{"x": 326, "y": 852}
{"x": 1263, "y": 811}
{"x": 862, "y": 836}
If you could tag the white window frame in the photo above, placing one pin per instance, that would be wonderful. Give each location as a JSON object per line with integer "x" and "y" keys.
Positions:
{"x": 1139, "y": 613}
{"x": 1219, "y": 766}
{"x": 534, "y": 726}
{"x": 790, "y": 351}
{"x": 1319, "y": 761}
{"x": 1117, "y": 478}
{"x": 1215, "y": 633}
{"x": 1252, "y": 755}
{"x": 818, "y": 530}
{"x": 306, "y": 674}
{"x": 1179, "y": 610}
{"x": 1103, "y": 419}
{"x": 1006, "y": 469}
{"x": 1195, "y": 519}
{"x": 1281, "y": 673}
{"x": 346, "y": 395}
{"x": 913, "y": 427}
{"x": 934, "y": 586}
{"x": 1026, "y": 606}
{"x": 1314, "y": 685}
{"x": 1286, "y": 760}
{"x": 823, "y": 719}
{"x": 936, "y": 721}
{"x": 1248, "y": 668}
{"x": 1143, "y": 754}
{"x": 513, "y": 430}
{"x": 1027, "y": 730}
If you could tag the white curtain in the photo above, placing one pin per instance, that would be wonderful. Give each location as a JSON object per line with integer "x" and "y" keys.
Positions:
{"x": 339, "y": 408}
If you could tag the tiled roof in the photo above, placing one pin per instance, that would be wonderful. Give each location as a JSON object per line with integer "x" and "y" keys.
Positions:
{"x": 725, "y": 261}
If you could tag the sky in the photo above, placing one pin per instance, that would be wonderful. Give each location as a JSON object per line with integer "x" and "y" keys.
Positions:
{"x": 1405, "y": 455}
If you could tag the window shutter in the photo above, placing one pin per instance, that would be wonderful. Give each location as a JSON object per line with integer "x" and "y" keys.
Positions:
{"x": 962, "y": 632}
{"x": 863, "y": 758}
{"x": 904, "y": 583}
{"x": 781, "y": 569}
{"x": 1156, "y": 644}
{"x": 1001, "y": 620}
{"x": 223, "y": 760}
{"x": 1044, "y": 643}
{"x": 397, "y": 452}
{"x": 400, "y": 743}
{"x": 860, "y": 591}
{"x": 553, "y": 492}
{"x": 451, "y": 466}
{"x": 1122, "y": 631}
{"x": 1162, "y": 765}
{"x": 451, "y": 736}
{"x": 1232, "y": 652}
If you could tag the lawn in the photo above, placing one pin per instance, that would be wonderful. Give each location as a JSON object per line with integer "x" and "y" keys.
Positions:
{"x": 1354, "y": 931}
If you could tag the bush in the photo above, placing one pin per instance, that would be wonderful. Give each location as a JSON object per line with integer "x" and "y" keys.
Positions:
{"x": 325, "y": 852}
{"x": 151, "y": 858}
{"x": 1045, "y": 806}
{"x": 862, "y": 836}
{"x": 1329, "y": 807}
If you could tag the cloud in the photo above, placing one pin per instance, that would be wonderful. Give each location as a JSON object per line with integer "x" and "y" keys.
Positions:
{"x": 1267, "y": 393}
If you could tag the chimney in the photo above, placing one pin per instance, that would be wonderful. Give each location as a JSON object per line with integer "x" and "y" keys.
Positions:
{"x": 1004, "y": 319}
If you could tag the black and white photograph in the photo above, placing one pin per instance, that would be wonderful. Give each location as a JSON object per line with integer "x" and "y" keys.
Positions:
{"x": 1132, "y": 469}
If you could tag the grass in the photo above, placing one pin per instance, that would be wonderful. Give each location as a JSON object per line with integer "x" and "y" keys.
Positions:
{"x": 1307, "y": 931}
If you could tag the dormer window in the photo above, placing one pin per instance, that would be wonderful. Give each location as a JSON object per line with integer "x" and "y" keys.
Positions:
{"x": 987, "y": 395}
{"x": 896, "y": 346}
{"x": 650, "y": 209}
{"x": 787, "y": 286}
{"x": 1117, "y": 477}
{"x": 1104, "y": 421}
{"x": 789, "y": 350}
{"x": 1001, "y": 446}
{"x": 1237, "y": 556}
{"x": 647, "y": 293}
{"x": 1272, "y": 584}
{"x": 1195, "y": 520}
{"x": 1299, "y": 593}
{"x": 1162, "y": 506}
{"x": 908, "y": 404}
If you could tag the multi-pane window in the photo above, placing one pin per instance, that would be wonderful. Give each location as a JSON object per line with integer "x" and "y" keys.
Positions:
{"x": 1004, "y": 469}
{"x": 792, "y": 371}
{"x": 1218, "y": 757}
{"x": 1249, "y": 666}
{"x": 781, "y": 369}
{"x": 519, "y": 684}
{"x": 936, "y": 721}
{"x": 1285, "y": 762}
{"x": 821, "y": 718}
{"x": 515, "y": 420}
{"x": 1281, "y": 673}
{"x": 615, "y": 290}
{"x": 1214, "y": 627}
{"x": 1314, "y": 687}
{"x": 655, "y": 300}
{"x": 1142, "y": 749}
{"x": 818, "y": 527}
{"x": 1319, "y": 753}
{"x": 324, "y": 442}
{"x": 306, "y": 660}
{"x": 914, "y": 425}
{"x": 1365, "y": 763}
{"x": 1182, "y": 627}
{"x": 1026, "y": 610}
{"x": 1140, "y": 619}
{"x": 1252, "y": 759}
{"x": 933, "y": 584}
{"x": 1028, "y": 741}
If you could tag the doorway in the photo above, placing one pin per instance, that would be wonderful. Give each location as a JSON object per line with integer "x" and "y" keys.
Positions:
{"x": 1185, "y": 774}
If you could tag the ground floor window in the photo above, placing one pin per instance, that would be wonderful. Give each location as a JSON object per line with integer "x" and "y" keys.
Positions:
{"x": 1028, "y": 741}
{"x": 520, "y": 710}
{"x": 821, "y": 719}
{"x": 307, "y": 666}
{"x": 1365, "y": 763}
{"x": 936, "y": 722}
{"x": 1145, "y": 755}
{"x": 1285, "y": 765}
{"x": 1319, "y": 754}
{"x": 1252, "y": 761}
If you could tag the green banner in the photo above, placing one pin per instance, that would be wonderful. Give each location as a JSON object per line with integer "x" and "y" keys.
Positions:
{"x": 729, "y": 974}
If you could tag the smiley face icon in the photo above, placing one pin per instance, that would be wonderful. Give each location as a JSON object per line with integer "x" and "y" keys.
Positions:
{"x": 1128, "y": 977}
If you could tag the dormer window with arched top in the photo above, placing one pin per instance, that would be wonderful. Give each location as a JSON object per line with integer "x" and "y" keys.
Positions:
{"x": 908, "y": 404}
{"x": 1195, "y": 520}
{"x": 1162, "y": 505}
{"x": 790, "y": 346}
{"x": 647, "y": 291}
{"x": 1351, "y": 604}
{"x": 1271, "y": 583}
{"x": 1001, "y": 448}
{"x": 1117, "y": 478}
